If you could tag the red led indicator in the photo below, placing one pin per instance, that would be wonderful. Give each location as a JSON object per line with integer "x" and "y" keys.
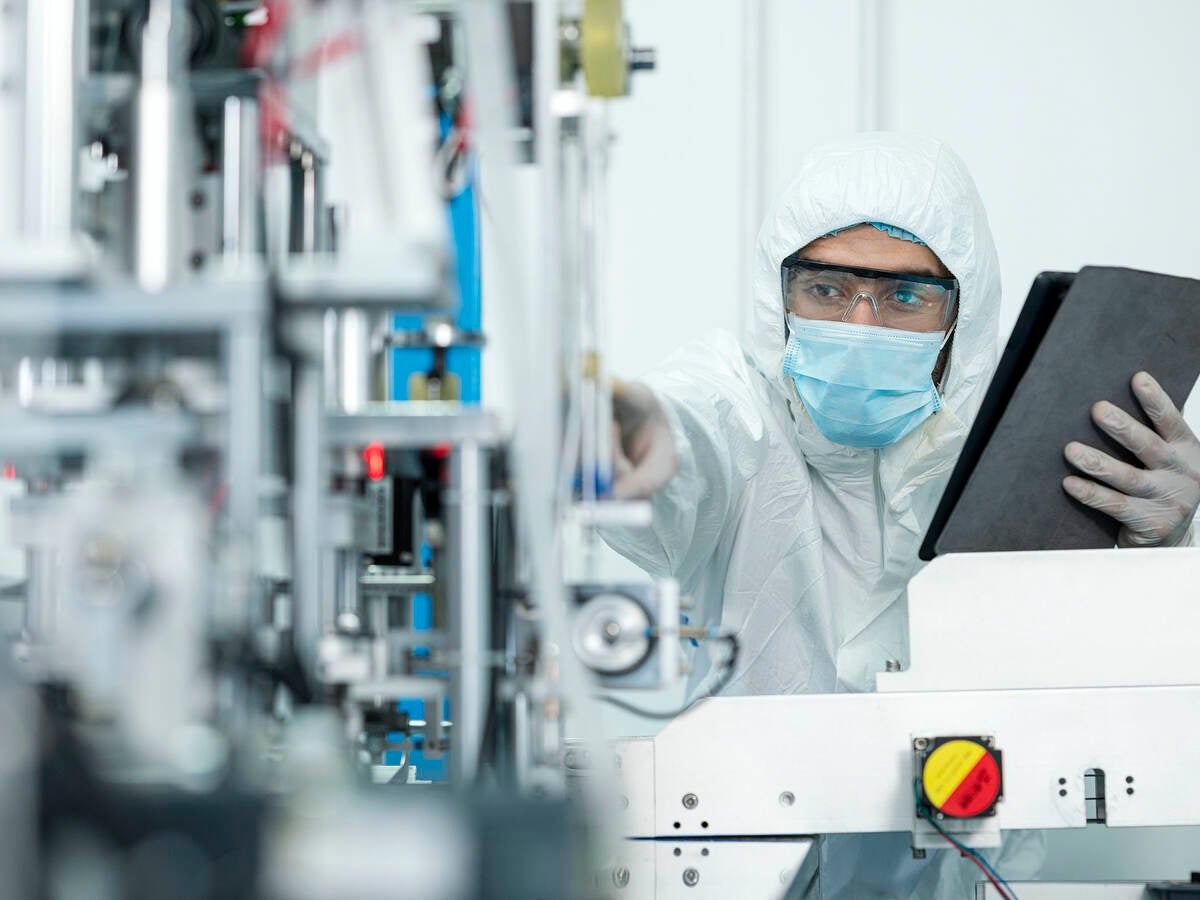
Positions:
{"x": 10, "y": 472}
{"x": 373, "y": 455}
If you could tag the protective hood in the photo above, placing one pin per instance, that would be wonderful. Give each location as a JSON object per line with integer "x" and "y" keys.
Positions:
{"x": 918, "y": 184}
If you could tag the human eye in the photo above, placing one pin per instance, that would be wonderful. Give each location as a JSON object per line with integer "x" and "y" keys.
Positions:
{"x": 906, "y": 298}
{"x": 909, "y": 298}
{"x": 822, "y": 290}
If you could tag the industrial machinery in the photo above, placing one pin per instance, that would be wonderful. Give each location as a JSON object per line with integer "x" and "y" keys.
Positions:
{"x": 272, "y": 568}
{"x": 285, "y": 588}
{"x": 1041, "y": 704}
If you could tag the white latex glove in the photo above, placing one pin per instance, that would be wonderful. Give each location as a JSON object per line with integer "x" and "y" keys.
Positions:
{"x": 643, "y": 448}
{"x": 1154, "y": 505}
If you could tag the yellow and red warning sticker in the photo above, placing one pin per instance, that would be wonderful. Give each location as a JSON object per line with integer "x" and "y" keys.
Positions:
{"x": 961, "y": 778}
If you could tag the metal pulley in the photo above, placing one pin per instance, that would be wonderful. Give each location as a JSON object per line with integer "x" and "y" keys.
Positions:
{"x": 599, "y": 45}
{"x": 611, "y": 633}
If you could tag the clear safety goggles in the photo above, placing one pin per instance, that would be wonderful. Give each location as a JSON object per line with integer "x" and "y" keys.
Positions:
{"x": 826, "y": 292}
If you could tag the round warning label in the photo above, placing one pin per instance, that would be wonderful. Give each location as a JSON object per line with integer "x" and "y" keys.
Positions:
{"x": 961, "y": 778}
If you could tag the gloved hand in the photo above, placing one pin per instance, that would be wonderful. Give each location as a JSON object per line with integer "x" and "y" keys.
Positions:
{"x": 643, "y": 448}
{"x": 1154, "y": 505}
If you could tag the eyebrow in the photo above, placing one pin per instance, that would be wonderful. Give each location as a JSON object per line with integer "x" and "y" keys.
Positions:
{"x": 927, "y": 271}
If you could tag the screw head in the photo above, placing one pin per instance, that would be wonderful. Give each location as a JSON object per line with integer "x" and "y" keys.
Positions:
{"x": 787, "y": 798}
{"x": 691, "y": 877}
{"x": 690, "y": 801}
{"x": 920, "y": 743}
{"x": 620, "y": 876}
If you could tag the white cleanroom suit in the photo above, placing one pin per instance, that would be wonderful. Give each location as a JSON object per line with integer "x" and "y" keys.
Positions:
{"x": 801, "y": 546}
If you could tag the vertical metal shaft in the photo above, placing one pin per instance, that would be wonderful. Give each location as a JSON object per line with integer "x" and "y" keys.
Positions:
{"x": 306, "y": 219}
{"x": 353, "y": 349}
{"x": 162, "y": 148}
{"x": 467, "y": 543}
{"x": 244, "y": 352}
{"x": 20, "y": 749}
{"x": 55, "y": 59}
{"x": 310, "y": 617}
{"x": 349, "y": 597}
{"x": 239, "y": 180}
{"x": 357, "y": 360}
{"x": 40, "y": 597}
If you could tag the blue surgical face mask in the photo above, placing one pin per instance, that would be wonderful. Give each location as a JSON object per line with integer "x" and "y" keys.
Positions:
{"x": 863, "y": 385}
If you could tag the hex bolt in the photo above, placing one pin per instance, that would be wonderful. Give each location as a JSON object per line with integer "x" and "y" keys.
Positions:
{"x": 691, "y": 877}
{"x": 690, "y": 801}
{"x": 620, "y": 876}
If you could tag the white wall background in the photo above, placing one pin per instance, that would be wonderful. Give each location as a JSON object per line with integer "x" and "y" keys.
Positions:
{"x": 1080, "y": 120}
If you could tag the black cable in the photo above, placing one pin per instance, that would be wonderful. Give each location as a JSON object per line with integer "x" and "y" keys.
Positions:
{"x": 719, "y": 685}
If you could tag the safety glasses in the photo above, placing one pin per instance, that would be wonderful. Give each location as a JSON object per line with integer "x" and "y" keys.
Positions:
{"x": 826, "y": 292}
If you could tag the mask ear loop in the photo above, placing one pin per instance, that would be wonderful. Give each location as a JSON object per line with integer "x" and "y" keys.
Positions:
{"x": 946, "y": 368}
{"x": 949, "y": 332}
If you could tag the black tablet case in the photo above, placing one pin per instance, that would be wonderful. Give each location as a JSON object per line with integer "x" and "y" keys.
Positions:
{"x": 1109, "y": 324}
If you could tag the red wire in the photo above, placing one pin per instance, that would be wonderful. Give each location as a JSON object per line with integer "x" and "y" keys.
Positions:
{"x": 980, "y": 866}
{"x": 217, "y": 499}
{"x": 326, "y": 52}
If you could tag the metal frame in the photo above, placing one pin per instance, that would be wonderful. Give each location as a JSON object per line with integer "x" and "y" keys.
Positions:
{"x": 1058, "y": 622}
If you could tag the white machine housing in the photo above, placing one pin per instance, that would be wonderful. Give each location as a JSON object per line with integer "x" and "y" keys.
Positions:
{"x": 1075, "y": 662}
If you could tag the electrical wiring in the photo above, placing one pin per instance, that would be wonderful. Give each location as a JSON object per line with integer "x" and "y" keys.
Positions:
{"x": 977, "y": 858}
{"x": 717, "y": 686}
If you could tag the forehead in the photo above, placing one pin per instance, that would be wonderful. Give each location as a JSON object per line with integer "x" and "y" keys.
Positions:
{"x": 869, "y": 248}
